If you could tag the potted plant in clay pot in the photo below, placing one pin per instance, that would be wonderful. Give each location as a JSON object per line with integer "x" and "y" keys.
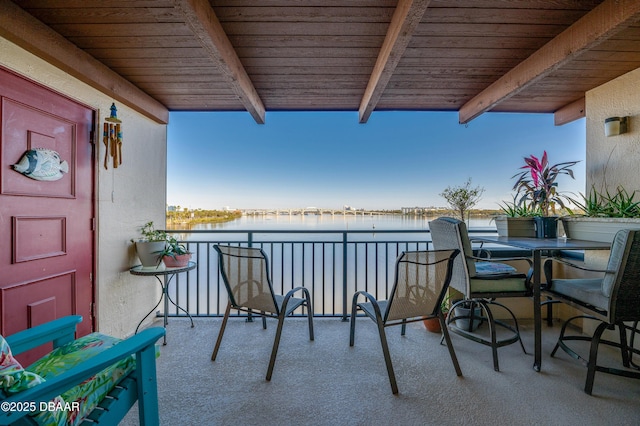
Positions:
{"x": 537, "y": 186}
{"x": 175, "y": 254}
{"x": 433, "y": 324}
{"x": 148, "y": 246}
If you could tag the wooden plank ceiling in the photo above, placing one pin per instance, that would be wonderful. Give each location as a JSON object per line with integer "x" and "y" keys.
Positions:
{"x": 470, "y": 56}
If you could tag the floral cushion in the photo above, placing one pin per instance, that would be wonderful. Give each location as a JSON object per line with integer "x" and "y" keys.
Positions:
{"x": 89, "y": 393}
{"x": 13, "y": 378}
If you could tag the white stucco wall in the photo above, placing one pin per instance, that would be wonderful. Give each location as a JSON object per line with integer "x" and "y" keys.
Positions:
{"x": 613, "y": 161}
{"x": 127, "y": 197}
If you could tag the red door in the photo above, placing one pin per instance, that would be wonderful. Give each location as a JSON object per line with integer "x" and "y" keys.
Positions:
{"x": 46, "y": 232}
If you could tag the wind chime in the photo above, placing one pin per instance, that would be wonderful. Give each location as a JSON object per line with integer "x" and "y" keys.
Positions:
{"x": 112, "y": 138}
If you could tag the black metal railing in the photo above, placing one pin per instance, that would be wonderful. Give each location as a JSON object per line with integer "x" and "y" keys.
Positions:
{"x": 332, "y": 265}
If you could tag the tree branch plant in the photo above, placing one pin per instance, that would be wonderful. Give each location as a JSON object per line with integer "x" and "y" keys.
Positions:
{"x": 462, "y": 198}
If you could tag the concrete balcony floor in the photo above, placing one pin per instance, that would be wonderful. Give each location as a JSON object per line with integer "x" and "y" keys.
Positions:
{"x": 326, "y": 382}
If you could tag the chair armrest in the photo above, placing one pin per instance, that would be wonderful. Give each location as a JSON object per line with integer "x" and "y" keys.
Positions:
{"x": 58, "y": 331}
{"x": 368, "y": 296}
{"x": 290, "y": 294}
{"x": 296, "y": 289}
{"x": 140, "y": 344}
{"x": 573, "y": 265}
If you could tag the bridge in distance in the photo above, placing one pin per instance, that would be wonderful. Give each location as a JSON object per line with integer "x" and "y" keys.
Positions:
{"x": 333, "y": 212}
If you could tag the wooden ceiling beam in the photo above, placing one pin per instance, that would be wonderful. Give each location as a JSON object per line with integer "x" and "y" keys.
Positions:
{"x": 404, "y": 21}
{"x": 570, "y": 112}
{"x": 21, "y": 28}
{"x": 205, "y": 25}
{"x": 593, "y": 28}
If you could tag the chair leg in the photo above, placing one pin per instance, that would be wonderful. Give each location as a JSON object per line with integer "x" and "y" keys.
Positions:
{"x": 352, "y": 327}
{"x": 403, "y": 329}
{"x": 516, "y": 328}
{"x": 549, "y": 312}
{"x": 560, "y": 342}
{"x": 634, "y": 331}
{"x": 264, "y": 320}
{"x": 624, "y": 348}
{"x": 307, "y": 297}
{"x": 447, "y": 338}
{"x": 515, "y": 324}
{"x": 222, "y": 327}
{"x": 387, "y": 358}
{"x": 147, "y": 384}
{"x": 276, "y": 343}
{"x": 593, "y": 358}
{"x": 492, "y": 334}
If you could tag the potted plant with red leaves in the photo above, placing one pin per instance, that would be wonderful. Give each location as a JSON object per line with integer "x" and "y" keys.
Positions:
{"x": 537, "y": 186}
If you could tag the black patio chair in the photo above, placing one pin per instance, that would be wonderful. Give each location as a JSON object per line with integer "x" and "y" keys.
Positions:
{"x": 421, "y": 282}
{"x": 611, "y": 300}
{"x": 245, "y": 272}
{"x": 481, "y": 281}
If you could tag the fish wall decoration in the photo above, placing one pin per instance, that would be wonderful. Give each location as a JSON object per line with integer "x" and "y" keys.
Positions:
{"x": 42, "y": 164}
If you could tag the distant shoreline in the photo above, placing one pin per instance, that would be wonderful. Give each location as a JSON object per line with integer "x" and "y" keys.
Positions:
{"x": 179, "y": 220}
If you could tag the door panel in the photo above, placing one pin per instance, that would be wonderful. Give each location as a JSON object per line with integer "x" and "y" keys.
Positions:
{"x": 46, "y": 225}
{"x": 27, "y": 128}
{"x": 38, "y": 237}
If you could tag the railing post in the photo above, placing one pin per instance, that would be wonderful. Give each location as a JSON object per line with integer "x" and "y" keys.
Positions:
{"x": 326, "y": 268}
{"x": 250, "y": 244}
{"x": 344, "y": 276}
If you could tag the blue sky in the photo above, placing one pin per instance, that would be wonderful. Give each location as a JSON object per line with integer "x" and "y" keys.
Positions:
{"x": 327, "y": 159}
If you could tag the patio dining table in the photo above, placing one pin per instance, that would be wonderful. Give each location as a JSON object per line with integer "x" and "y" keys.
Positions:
{"x": 538, "y": 246}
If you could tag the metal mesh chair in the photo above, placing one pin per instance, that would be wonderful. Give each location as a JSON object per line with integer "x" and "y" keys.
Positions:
{"x": 481, "y": 281}
{"x": 611, "y": 300}
{"x": 421, "y": 282}
{"x": 245, "y": 272}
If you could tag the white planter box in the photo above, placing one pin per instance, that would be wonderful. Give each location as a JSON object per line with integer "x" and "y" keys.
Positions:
{"x": 515, "y": 226}
{"x": 596, "y": 228}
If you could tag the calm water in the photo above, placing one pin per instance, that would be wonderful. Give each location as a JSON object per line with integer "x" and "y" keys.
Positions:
{"x": 368, "y": 260}
{"x": 337, "y": 223}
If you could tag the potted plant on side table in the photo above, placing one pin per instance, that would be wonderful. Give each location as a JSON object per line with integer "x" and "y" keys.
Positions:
{"x": 537, "y": 185}
{"x": 149, "y": 245}
{"x": 175, "y": 254}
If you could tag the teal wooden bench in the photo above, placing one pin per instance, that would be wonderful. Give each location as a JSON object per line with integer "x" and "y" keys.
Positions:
{"x": 138, "y": 382}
